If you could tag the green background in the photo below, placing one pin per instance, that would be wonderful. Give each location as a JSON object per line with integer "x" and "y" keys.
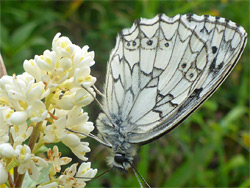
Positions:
{"x": 209, "y": 149}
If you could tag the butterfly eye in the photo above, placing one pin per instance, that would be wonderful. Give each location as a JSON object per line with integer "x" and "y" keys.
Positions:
{"x": 120, "y": 158}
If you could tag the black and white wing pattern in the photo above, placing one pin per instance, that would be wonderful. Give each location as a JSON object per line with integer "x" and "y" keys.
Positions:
{"x": 162, "y": 69}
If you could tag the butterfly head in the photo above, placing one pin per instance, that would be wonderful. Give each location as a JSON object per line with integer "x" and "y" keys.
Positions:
{"x": 120, "y": 157}
{"x": 120, "y": 161}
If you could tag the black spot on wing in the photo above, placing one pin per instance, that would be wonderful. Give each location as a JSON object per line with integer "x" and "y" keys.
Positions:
{"x": 150, "y": 42}
{"x": 214, "y": 49}
{"x": 213, "y": 67}
{"x": 194, "y": 96}
{"x": 220, "y": 66}
{"x": 189, "y": 16}
{"x": 167, "y": 44}
{"x": 196, "y": 93}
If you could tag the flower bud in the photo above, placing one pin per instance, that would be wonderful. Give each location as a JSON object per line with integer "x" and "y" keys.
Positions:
{"x": 6, "y": 150}
{"x": 4, "y": 174}
{"x": 18, "y": 118}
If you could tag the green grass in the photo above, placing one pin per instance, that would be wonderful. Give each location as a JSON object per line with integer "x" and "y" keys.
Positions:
{"x": 210, "y": 149}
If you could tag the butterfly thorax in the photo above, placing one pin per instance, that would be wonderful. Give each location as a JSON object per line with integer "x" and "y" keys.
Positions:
{"x": 122, "y": 152}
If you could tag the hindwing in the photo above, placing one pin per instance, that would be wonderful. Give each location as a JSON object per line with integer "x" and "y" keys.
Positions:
{"x": 162, "y": 69}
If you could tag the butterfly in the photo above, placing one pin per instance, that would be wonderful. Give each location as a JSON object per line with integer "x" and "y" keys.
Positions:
{"x": 160, "y": 71}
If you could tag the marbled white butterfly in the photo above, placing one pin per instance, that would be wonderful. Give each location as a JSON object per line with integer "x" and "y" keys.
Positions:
{"x": 160, "y": 71}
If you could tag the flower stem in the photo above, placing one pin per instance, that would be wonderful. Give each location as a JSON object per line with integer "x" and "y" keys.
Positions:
{"x": 12, "y": 185}
{"x": 34, "y": 135}
{"x": 15, "y": 168}
{"x": 38, "y": 145}
{"x": 32, "y": 141}
{"x": 2, "y": 67}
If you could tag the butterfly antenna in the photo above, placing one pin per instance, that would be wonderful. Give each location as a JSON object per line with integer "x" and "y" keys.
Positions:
{"x": 137, "y": 178}
{"x": 98, "y": 91}
{"x": 136, "y": 174}
{"x": 91, "y": 136}
{"x": 96, "y": 176}
{"x": 100, "y": 105}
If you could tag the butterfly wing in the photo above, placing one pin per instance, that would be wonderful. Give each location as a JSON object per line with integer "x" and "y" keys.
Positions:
{"x": 163, "y": 68}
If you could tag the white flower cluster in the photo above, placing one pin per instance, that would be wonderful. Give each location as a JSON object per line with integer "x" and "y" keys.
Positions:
{"x": 38, "y": 106}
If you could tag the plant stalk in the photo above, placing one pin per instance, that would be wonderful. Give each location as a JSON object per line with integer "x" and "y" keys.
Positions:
{"x": 2, "y": 67}
{"x": 12, "y": 185}
{"x": 33, "y": 138}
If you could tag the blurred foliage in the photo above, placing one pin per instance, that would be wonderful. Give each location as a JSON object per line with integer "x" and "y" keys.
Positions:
{"x": 210, "y": 149}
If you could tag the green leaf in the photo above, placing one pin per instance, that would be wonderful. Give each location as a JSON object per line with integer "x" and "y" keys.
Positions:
{"x": 42, "y": 149}
{"x": 181, "y": 175}
{"x": 233, "y": 115}
{"x": 211, "y": 105}
{"x": 38, "y": 41}
{"x": 4, "y": 37}
{"x": 22, "y": 34}
{"x": 143, "y": 165}
{"x": 236, "y": 161}
{"x": 245, "y": 184}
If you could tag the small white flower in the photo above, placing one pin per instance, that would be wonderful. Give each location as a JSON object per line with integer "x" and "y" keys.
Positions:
{"x": 54, "y": 158}
{"x": 78, "y": 121}
{"x": 23, "y": 153}
{"x": 55, "y": 77}
{"x": 67, "y": 179}
{"x": 6, "y": 150}
{"x": 85, "y": 171}
{"x": 80, "y": 150}
{"x": 3, "y": 172}
{"x": 37, "y": 111}
{"x": 47, "y": 61}
{"x": 35, "y": 92}
{"x": 5, "y": 114}
{"x": 82, "y": 77}
{"x": 71, "y": 140}
{"x": 82, "y": 57}
{"x": 20, "y": 133}
{"x": 64, "y": 100}
{"x": 13, "y": 90}
{"x": 62, "y": 46}
{"x": 76, "y": 178}
{"x": 20, "y": 91}
{"x": 31, "y": 67}
{"x": 72, "y": 97}
{"x": 50, "y": 185}
{"x": 56, "y": 131}
{"x": 65, "y": 63}
{"x": 29, "y": 162}
{"x": 18, "y": 117}
{"x": 83, "y": 98}
{"x": 3, "y": 138}
{"x": 77, "y": 147}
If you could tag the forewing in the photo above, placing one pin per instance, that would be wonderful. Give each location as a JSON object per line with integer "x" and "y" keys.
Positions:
{"x": 162, "y": 69}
